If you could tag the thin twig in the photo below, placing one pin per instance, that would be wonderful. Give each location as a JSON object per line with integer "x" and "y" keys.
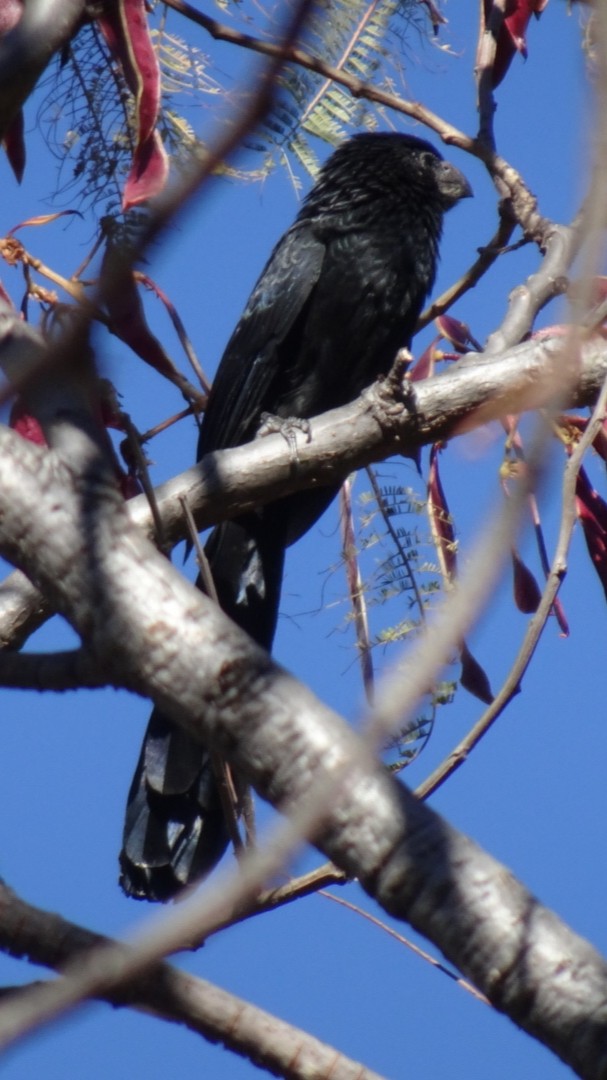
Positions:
{"x": 180, "y": 329}
{"x": 306, "y": 885}
{"x": 558, "y": 569}
{"x": 355, "y": 587}
{"x": 485, "y": 60}
{"x": 134, "y": 443}
{"x": 357, "y": 87}
{"x": 488, "y": 255}
{"x": 465, "y": 985}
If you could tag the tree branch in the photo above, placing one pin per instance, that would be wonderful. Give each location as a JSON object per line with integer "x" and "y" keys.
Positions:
{"x": 49, "y": 940}
{"x": 104, "y": 576}
{"x": 73, "y": 670}
{"x": 381, "y": 423}
{"x": 556, "y": 575}
{"x": 526, "y": 300}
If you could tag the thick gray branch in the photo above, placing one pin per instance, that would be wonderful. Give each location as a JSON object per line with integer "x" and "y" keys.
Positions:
{"x": 64, "y": 523}
{"x": 382, "y": 422}
{"x": 527, "y": 300}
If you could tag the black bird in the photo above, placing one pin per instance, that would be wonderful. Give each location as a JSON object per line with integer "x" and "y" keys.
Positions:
{"x": 339, "y": 296}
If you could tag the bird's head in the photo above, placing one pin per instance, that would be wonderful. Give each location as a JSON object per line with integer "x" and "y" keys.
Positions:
{"x": 380, "y": 168}
{"x": 451, "y": 183}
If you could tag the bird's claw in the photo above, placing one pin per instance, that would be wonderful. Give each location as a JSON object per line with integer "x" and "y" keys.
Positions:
{"x": 287, "y": 426}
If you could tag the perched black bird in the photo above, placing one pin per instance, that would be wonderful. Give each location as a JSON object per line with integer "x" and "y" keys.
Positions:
{"x": 340, "y": 294}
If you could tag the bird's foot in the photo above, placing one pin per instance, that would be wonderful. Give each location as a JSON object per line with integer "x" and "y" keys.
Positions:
{"x": 287, "y": 426}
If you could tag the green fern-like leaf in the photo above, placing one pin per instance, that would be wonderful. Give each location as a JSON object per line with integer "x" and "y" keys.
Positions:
{"x": 357, "y": 37}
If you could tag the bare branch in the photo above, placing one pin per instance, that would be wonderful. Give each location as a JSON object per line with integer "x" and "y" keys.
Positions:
{"x": 379, "y": 424}
{"x": 485, "y": 59}
{"x": 60, "y": 671}
{"x": 408, "y": 944}
{"x": 562, "y": 246}
{"x": 487, "y": 256}
{"x": 173, "y": 995}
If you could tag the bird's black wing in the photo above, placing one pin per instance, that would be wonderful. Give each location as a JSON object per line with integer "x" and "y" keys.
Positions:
{"x": 242, "y": 387}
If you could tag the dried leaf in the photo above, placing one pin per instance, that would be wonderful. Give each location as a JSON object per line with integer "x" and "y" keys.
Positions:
{"x": 424, "y": 368}
{"x": 42, "y": 219}
{"x": 440, "y": 520}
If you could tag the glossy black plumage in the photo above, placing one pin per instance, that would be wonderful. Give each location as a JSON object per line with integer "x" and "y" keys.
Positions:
{"x": 340, "y": 294}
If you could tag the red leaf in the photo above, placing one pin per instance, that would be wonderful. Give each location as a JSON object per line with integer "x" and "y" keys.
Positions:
{"x": 14, "y": 145}
{"x": 511, "y": 38}
{"x": 456, "y": 332}
{"x": 589, "y": 502}
{"x": 424, "y": 367}
{"x": 473, "y": 677}
{"x": 5, "y": 299}
{"x": 527, "y": 593}
{"x": 600, "y": 441}
{"x": 110, "y": 413}
{"x": 559, "y": 613}
{"x": 592, "y": 514}
{"x": 129, "y": 324}
{"x": 29, "y": 428}
{"x": 125, "y": 28}
{"x": 13, "y": 142}
{"x": 148, "y": 173}
{"x": 129, "y": 486}
{"x": 26, "y": 425}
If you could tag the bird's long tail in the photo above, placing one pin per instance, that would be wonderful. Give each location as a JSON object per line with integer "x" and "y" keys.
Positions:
{"x": 175, "y": 829}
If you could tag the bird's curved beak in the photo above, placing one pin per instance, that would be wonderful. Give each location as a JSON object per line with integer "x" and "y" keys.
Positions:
{"x": 453, "y": 185}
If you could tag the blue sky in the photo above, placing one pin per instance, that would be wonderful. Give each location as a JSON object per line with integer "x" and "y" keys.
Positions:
{"x": 533, "y": 793}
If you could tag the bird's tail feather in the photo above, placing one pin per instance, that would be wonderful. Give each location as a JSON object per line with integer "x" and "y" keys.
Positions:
{"x": 175, "y": 830}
